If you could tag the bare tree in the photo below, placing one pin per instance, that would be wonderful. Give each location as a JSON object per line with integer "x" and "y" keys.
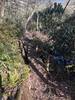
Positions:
{"x": 66, "y": 5}
{"x": 21, "y": 10}
{"x": 2, "y": 9}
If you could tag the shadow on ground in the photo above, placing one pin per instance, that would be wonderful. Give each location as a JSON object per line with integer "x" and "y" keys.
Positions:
{"x": 62, "y": 88}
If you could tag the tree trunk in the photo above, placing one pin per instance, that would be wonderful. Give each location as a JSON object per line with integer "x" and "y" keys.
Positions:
{"x": 37, "y": 22}
{"x": 29, "y": 18}
{"x": 2, "y": 9}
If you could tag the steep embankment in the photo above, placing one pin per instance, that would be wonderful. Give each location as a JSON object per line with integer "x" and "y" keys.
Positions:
{"x": 12, "y": 67}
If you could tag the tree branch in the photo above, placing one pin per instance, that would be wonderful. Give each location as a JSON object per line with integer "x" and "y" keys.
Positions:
{"x": 66, "y": 5}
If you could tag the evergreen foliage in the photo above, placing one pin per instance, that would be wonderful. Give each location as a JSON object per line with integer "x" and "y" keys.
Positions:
{"x": 50, "y": 17}
{"x": 59, "y": 27}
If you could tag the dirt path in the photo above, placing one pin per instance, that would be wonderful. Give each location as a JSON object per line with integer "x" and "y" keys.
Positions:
{"x": 37, "y": 86}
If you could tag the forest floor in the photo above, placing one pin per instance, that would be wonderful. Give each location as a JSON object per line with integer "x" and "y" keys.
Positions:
{"x": 38, "y": 86}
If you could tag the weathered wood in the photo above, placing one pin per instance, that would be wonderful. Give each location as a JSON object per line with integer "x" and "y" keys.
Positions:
{"x": 24, "y": 52}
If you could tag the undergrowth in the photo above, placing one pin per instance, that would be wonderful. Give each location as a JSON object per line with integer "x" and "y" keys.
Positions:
{"x": 12, "y": 67}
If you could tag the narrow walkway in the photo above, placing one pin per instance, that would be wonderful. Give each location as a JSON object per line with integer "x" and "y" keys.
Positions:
{"x": 37, "y": 86}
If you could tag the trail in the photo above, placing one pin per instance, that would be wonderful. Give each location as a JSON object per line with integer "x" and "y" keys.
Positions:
{"x": 37, "y": 86}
